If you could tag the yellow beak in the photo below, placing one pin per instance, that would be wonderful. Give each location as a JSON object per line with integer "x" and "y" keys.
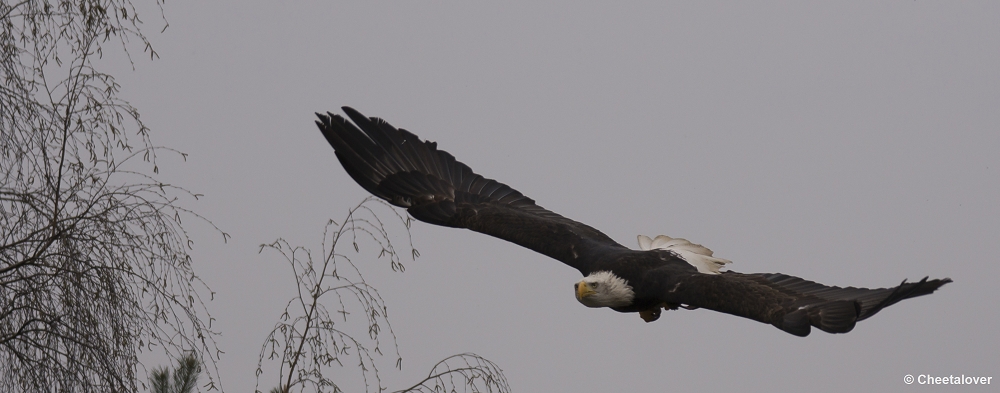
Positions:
{"x": 583, "y": 290}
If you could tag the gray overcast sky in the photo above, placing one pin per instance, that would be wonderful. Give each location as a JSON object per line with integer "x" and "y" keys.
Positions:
{"x": 850, "y": 143}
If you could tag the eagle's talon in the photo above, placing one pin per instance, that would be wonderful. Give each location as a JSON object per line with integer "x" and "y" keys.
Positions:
{"x": 650, "y": 315}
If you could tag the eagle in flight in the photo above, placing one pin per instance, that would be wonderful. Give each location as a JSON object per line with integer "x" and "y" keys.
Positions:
{"x": 665, "y": 273}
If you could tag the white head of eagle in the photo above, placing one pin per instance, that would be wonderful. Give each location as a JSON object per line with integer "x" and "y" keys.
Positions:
{"x": 604, "y": 289}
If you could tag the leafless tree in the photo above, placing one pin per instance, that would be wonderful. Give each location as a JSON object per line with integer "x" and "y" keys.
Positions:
{"x": 315, "y": 345}
{"x": 94, "y": 264}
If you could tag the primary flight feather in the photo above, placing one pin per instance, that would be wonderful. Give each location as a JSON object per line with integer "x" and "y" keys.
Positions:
{"x": 666, "y": 273}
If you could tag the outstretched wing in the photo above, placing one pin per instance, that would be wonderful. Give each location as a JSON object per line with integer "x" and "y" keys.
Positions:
{"x": 791, "y": 303}
{"x": 434, "y": 187}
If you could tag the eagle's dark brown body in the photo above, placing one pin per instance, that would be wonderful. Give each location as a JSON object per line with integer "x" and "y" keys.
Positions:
{"x": 397, "y": 166}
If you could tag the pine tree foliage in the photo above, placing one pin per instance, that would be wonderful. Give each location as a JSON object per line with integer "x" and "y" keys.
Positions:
{"x": 185, "y": 376}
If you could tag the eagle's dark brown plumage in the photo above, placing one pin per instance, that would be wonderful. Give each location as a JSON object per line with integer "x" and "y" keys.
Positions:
{"x": 397, "y": 166}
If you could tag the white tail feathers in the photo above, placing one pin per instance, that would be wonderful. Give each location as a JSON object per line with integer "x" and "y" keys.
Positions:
{"x": 697, "y": 255}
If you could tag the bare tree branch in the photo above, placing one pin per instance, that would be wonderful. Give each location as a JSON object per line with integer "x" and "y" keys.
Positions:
{"x": 467, "y": 371}
{"x": 310, "y": 337}
{"x": 94, "y": 263}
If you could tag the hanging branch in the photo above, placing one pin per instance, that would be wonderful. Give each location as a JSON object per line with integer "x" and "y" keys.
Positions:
{"x": 314, "y": 343}
{"x": 94, "y": 263}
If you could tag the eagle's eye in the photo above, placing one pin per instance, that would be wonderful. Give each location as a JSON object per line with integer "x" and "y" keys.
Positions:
{"x": 595, "y": 284}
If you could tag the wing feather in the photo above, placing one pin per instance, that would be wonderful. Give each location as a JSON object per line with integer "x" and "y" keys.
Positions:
{"x": 790, "y": 303}
{"x": 395, "y": 165}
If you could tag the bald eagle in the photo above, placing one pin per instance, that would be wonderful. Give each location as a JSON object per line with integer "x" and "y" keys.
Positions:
{"x": 665, "y": 273}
